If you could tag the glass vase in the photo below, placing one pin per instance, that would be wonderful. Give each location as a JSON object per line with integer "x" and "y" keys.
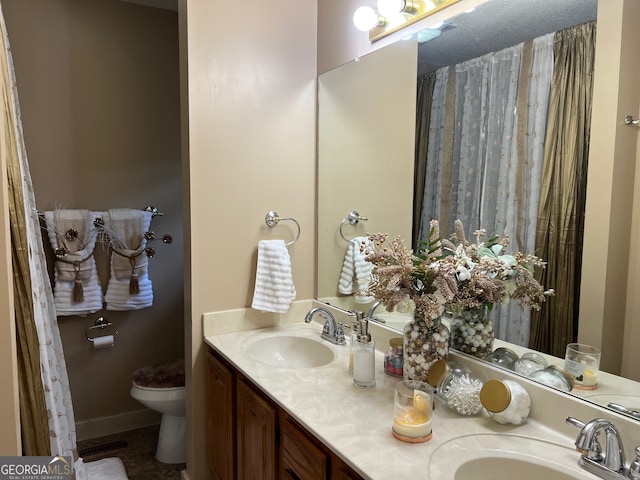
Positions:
{"x": 425, "y": 342}
{"x": 472, "y": 331}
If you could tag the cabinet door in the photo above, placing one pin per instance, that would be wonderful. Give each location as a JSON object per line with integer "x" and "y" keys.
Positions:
{"x": 256, "y": 435}
{"x": 342, "y": 471}
{"x": 220, "y": 415}
{"x": 300, "y": 458}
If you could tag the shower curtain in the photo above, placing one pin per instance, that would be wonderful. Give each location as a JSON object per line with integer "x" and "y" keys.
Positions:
{"x": 47, "y": 419}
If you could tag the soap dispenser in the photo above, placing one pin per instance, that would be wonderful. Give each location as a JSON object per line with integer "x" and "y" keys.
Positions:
{"x": 355, "y": 330}
{"x": 364, "y": 374}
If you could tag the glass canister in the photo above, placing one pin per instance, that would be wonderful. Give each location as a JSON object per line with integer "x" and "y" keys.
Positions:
{"x": 554, "y": 376}
{"x": 503, "y": 357}
{"x": 471, "y": 331}
{"x": 424, "y": 343}
{"x": 506, "y": 401}
{"x": 394, "y": 358}
{"x": 458, "y": 387}
{"x": 530, "y": 362}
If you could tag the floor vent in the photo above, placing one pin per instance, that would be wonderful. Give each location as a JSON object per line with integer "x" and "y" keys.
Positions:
{"x": 102, "y": 449}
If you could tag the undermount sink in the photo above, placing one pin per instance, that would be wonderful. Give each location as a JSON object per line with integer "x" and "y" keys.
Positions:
{"x": 498, "y": 468}
{"x": 494, "y": 456}
{"x": 291, "y": 352}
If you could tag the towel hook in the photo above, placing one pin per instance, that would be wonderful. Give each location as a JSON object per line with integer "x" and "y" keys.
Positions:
{"x": 272, "y": 218}
{"x": 353, "y": 218}
{"x": 154, "y": 211}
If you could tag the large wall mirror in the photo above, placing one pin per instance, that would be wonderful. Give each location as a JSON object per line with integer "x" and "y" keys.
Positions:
{"x": 366, "y": 143}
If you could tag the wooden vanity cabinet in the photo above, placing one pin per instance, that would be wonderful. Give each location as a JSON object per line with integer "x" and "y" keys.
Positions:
{"x": 256, "y": 435}
{"x": 220, "y": 394}
{"x": 250, "y": 437}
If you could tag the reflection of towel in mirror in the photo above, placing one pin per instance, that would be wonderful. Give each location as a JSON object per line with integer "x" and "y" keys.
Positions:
{"x": 77, "y": 289}
{"x": 355, "y": 269}
{"x": 274, "y": 290}
{"x": 126, "y": 228}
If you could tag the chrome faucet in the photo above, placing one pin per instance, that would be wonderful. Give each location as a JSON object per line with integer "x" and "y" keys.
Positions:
{"x": 372, "y": 310}
{"x": 611, "y": 465}
{"x": 332, "y": 331}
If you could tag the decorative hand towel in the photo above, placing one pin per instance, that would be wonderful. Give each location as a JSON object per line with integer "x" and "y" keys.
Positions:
{"x": 345, "y": 283}
{"x": 129, "y": 286}
{"x": 356, "y": 269}
{"x": 72, "y": 234}
{"x": 274, "y": 290}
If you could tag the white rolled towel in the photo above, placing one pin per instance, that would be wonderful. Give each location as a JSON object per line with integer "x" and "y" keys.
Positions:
{"x": 356, "y": 271}
{"x": 345, "y": 283}
{"x": 274, "y": 289}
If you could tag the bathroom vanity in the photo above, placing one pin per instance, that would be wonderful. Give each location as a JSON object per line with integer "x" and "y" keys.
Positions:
{"x": 248, "y": 433}
{"x": 277, "y": 418}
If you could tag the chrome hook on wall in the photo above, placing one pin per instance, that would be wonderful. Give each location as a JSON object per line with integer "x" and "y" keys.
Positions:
{"x": 353, "y": 217}
{"x": 629, "y": 120}
{"x": 272, "y": 218}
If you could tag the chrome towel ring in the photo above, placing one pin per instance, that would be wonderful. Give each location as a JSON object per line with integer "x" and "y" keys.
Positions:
{"x": 353, "y": 218}
{"x": 272, "y": 218}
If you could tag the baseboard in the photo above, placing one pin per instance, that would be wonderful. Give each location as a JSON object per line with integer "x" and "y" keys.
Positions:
{"x": 123, "y": 422}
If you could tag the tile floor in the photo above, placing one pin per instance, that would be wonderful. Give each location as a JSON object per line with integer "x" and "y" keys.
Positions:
{"x": 136, "y": 449}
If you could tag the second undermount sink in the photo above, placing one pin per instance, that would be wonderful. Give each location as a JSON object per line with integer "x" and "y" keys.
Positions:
{"x": 499, "y": 468}
{"x": 290, "y": 351}
{"x": 505, "y": 457}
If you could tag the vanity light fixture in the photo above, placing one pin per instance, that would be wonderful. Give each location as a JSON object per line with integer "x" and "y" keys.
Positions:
{"x": 393, "y": 15}
{"x": 365, "y": 18}
{"x": 390, "y": 8}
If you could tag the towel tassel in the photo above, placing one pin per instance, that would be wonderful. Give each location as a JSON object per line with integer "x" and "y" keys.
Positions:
{"x": 134, "y": 286}
{"x": 78, "y": 291}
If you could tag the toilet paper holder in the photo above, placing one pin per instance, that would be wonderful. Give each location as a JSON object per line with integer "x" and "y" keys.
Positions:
{"x": 101, "y": 323}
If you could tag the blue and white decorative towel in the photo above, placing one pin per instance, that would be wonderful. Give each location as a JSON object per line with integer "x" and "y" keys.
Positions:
{"x": 356, "y": 271}
{"x": 129, "y": 286}
{"x": 274, "y": 290}
{"x": 72, "y": 234}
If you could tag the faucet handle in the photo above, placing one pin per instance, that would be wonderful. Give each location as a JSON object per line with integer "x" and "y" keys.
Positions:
{"x": 634, "y": 468}
{"x": 593, "y": 450}
{"x": 340, "y": 332}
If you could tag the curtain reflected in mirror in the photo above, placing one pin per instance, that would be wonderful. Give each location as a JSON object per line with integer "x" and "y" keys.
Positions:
{"x": 560, "y": 225}
{"x": 488, "y": 153}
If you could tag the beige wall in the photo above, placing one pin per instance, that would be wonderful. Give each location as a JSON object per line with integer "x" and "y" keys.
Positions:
{"x": 251, "y": 142}
{"x": 366, "y": 118}
{"x": 608, "y": 301}
{"x": 99, "y": 93}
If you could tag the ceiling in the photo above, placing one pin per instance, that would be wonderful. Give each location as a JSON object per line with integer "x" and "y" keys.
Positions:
{"x": 499, "y": 24}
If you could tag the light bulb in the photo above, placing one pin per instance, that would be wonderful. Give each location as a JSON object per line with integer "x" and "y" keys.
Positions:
{"x": 390, "y": 8}
{"x": 365, "y": 18}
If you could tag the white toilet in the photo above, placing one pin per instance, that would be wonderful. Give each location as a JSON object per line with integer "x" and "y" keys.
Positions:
{"x": 161, "y": 388}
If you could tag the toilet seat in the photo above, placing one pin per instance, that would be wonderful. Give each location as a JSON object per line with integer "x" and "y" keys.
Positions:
{"x": 160, "y": 376}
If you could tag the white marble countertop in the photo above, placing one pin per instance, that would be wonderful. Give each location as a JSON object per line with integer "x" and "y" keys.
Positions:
{"x": 356, "y": 423}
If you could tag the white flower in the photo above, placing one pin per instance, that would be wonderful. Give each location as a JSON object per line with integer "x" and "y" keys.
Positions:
{"x": 405, "y": 306}
{"x": 462, "y": 273}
